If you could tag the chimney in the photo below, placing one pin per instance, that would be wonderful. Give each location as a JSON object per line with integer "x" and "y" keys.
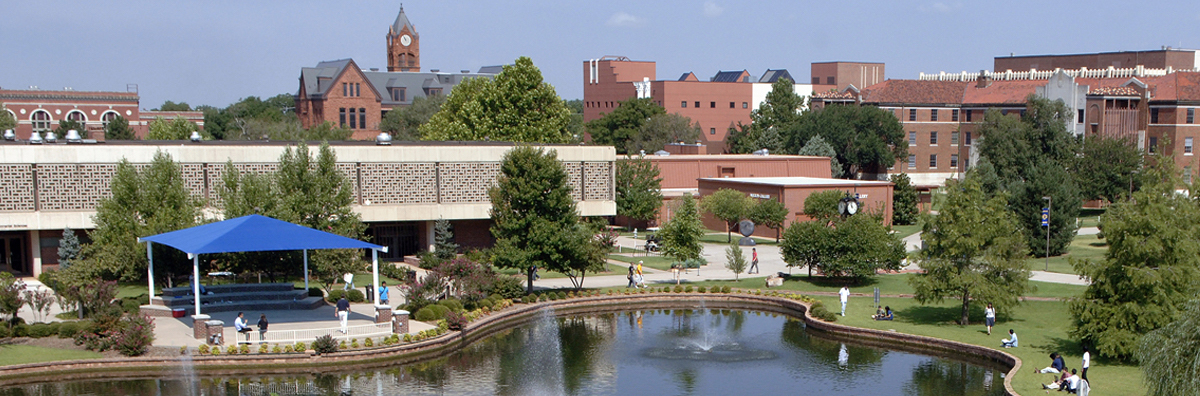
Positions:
{"x": 984, "y": 80}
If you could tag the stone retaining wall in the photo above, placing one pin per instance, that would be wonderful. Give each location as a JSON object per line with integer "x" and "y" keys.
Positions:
{"x": 482, "y": 328}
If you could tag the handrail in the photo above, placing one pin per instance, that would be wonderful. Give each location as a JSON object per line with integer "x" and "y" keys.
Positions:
{"x": 294, "y": 336}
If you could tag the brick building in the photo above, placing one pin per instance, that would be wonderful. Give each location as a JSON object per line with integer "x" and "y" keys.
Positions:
{"x": 1165, "y": 58}
{"x": 717, "y": 105}
{"x": 41, "y": 110}
{"x": 342, "y": 93}
{"x": 842, "y": 75}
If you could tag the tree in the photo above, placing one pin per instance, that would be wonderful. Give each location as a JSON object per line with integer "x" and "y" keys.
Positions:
{"x": 243, "y": 195}
{"x": 1105, "y": 168}
{"x": 1149, "y": 271}
{"x": 866, "y": 138}
{"x": 251, "y": 118}
{"x": 118, "y": 129}
{"x": 661, "y": 129}
{"x": 68, "y": 248}
{"x": 734, "y": 260}
{"x": 404, "y": 124}
{"x": 1169, "y": 356}
{"x": 443, "y": 236}
{"x": 623, "y": 125}
{"x": 7, "y": 120}
{"x": 777, "y": 117}
{"x": 769, "y": 213}
{"x": 974, "y": 251}
{"x": 10, "y": 298}
{"x": 728, "y": 205}
{"x": 1047, "y": 180}
{"x": 818, "y": 147}
{"x": 533, "y": 215}
{"x": 516, "y": 106}
{"x": 681, "y": 234}
{"x": 742, "y": 139}
{"x": 320, "y": 197}
{"x": 639, "y": 189}
{"x": 904, "y": 200}
{"x": 68, "y": 125}
{"x": 576, "y": 127}
{"x": 804, "y": 244}
{"x": 176, "y": 129}
{"x": 823, "y": 205}
{"x": 855, "y": 246}
{"x": 292, "y": 131}
{"x": 172, "y": 106}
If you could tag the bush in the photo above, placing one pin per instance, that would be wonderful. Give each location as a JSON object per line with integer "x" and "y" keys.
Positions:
{"x": 353, "y": 343}
{"x": 288, "y": 349}
{"x": 70, "y": 329}
{"x": 245, "y": 349}
{"x": 508, "y": 287}
{"x": 324, "y": 344}
{"x": 431, "y": 313}
{"x": 277, "y": 349}
{"x": 725, "y": 289}
{"x": 231, "y": 350}
{"x": 456, "y": 321}
{"x": 678, "y": 289}
{"x": 262, "y": 348}
{"x": 562, "y": 295}
{"x": 700, "y": 289}
{"x": 203, "y": 349}
{"x": 687, "y": 289}
{"x": 39, "y": 330}
{"x": 300, "y": 347}
{"x": 368, "y": 343}
{"x": 315, "y": 292}
{"x": 355, "y": 295}
{"x": 453, "y": 304}
{"x": 342, "y": 345}
{"x": 216, "y": 350}
{"x": 819, "y": 312}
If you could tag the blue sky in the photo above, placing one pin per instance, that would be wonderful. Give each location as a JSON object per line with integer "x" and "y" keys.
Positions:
{"x": 216, "y": 52}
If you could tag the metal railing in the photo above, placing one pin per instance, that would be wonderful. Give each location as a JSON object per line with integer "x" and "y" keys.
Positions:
{"x": 308, "y": 335}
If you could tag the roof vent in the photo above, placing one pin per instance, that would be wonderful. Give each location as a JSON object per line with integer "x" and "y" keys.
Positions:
{"x": 762, "y": 152}
{"x": 465, "y": 71}
{"x": 35, "y": 138}
{"x": 384, "y": 139}
{"x": 51, "y": 137}
{"x": 73, "y": 136}
{"x": 662, "y": 153}
{"x": 9, "y": 135}
{"x": 374, "y": 69}
{"x": 435, "y": 70}
{"x": 195, "y": 137}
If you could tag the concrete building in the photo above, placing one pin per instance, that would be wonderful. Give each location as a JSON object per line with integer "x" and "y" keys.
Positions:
{"x": 399, "y": 190}
{"x": 720, "y": 103}
{"x": 40, "y": 111}
{"x": 873, "y": 196}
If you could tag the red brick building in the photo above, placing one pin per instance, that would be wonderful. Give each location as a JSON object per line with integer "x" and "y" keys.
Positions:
{"x": 844, "y": 74}
{"x": 41, "y": 110}
{"x": 873, "y": 196}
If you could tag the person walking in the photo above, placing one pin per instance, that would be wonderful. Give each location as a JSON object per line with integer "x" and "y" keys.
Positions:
{"x": 383, "y": 293}
{"x": 630, "y": 277}
{"x": 753, "y": 261}
{"x": 641, "y": 279}
{"x": 262, "y": 328}
{"x": 844, "y": 295}
{"x": 989, "y": 316}
{"x": 1087, "y": 361}
{"x": 343, "y": 312}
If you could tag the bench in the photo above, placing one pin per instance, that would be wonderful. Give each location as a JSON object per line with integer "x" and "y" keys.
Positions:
{"x": 239, "y": 297}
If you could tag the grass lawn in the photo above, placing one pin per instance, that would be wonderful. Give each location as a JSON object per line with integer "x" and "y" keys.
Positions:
{"x": 1090, "y": 217}
{"x": 612, "y": 269}
{"x": 662, "y": 263}
{"x": 22, "y": 354}
{"x": 904, "y": 231}
{"x": 1083, "y": 247}
{"x": 722, "y": 239}
{"x": 887, "y": 284}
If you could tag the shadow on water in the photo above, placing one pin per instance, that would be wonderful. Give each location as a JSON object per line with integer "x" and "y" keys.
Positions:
{"x": 949, "y": 378}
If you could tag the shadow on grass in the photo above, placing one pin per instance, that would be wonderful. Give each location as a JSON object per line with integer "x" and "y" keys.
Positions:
{"x": 949, "y": 315}
{"x": 1061, "y": 345}
{"x": 822, "y": 281}
{"x": 1098, "y": 244}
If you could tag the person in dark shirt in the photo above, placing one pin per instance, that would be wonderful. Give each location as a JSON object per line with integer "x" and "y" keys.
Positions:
{"x": 343, "y": 312}
{"x": 262, "y": 328}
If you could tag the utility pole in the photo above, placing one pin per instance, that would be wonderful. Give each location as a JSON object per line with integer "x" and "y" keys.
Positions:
{"x": 1046, "y": 223}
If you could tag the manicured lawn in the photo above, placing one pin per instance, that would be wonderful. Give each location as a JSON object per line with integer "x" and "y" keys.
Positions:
{"x": 1083, "y": 247}
{"x": 887, "y": 284}
{"x": 23, "y": 354}
{"x": 904, "y": 231}
{"x": 662, "y": 263}
{"x": 1090, "y": 217}
{"x": 724, "y": 240}
{"x": 612, "y": 269}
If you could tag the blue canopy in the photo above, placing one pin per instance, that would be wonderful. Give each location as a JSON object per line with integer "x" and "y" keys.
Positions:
{"x": 254, "y": 233}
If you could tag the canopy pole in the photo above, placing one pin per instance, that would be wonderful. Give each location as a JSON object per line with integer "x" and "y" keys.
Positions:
{"x": 305, "y": 269}
{"x": 150, "y": 266}
{"x": 196, "y": 278}
{"x": 375, "y": 272}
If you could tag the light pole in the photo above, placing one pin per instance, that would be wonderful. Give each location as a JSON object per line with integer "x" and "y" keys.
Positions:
{"x": 1049, "y": 208}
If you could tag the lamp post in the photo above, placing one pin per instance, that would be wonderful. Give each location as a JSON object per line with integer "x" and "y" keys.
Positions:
{"x": 1049, "y": 207}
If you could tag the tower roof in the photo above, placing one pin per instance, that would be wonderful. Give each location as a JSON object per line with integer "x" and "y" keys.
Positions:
{"x": 402, "y": 22}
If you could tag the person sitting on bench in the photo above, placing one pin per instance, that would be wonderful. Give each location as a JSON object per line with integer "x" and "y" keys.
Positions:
{"x": 240, "y": 325}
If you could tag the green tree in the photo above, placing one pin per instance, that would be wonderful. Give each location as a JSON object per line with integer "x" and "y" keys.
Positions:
{"x": 974, "y": 251}
{"x": 1169, "y": 356}
{"x": 661, "y": 129}
{"x": 734, "y": 260}
{"x": 681, "y": 234}
{"x": 10, "y": 298}
{"x": 771, "y": 214}
{"x": 742, "y": 139}
{"x": 1149, "y": 270}
{"x": 1105, "y": 168}
{"x": 443, "y": 240}
{"x": 729, "y": 206}
{"x": 1047, "y": 180}
{"x": 319, "y": 196}
{"x": 818, "y": 147}
{"x": 172, "y": 106}
{"x": 404, "y": 124}
{"x": 866, "y": 138}
{"x": 576, "y": 127}
{"x": 7, "y": 120}
{"x": 904, "y": 200}
{"x": 68, "y": 248}
{"x": 118, "y": 129}
{"x": 777, "y": 117}
{"x": 176, "y": 129}
{"x": 292, "y": 131}
{"x": 823, "y": 205}
{"x": 639, "y": 189}
{"x": 243, "y": 195}
{"x": 516, "y": 106}
{"x": 856, "y": 246}
{"x": 623, "y": 124}
{"x": 804, "y": 244}
{"x": 68, "y": 125}
{"x": 533, "y": 215}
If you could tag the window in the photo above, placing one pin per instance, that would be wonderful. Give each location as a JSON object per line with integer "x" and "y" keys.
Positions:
{"x": 345, "y": 89}
{"x": 912, "y": 161}
{"x": 1187, "y": 174}
{"x": 683, "y": 104}
{"x": 953, "y": 138}
{"x": 398, "y": 94}
{"x": 362, "y": 118}
{"x": 108, "y": 117}
{"x": 912, "y": 114}
{"x": 1191, "y": 116}
{"x": 438, "y": 92}
{"x": 954, "y": 115}
{"x": 968, "y": 139}
{"x": 830, "y": 80}
{"x": 912, "y": 139}
{"x": 816, "y": 80}
{"x": 932, "y": 161}
{"x": 1153, "y": 144}
{"x": 933, "y": 138}
{"x": 1079, "y": 120}
{"x": 969, "y": 115}
{"x": 954, "y": 161}
{"x": 1153, "y": 116}
{"x": 697, "y": 104}
{"x": 342, "y": 117}
{"x": 77, "y": 116}
{"x": 731, "y": 105}
{"x": 1003, "y": 111}
{"x": 357, "y": 89}
{"x": 41, "y": 120}
{"x": 712, "y": 131}
{"x": 353, "y": 119}
{"x": 745, "y": 105}
{"x": 1022, "y": 113}
{"x": 712, "y": 105}
{"x": 933, "y": 115}
{"x": 1187, "y": 146}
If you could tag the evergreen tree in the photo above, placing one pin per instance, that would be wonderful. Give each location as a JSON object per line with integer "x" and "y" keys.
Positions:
{"x": 7, "y": 120}
{"x": 818, "y": 147}
{"x": 639, "y": 189}
{"x": 681, "y": 234}
{"x": 515, "y": 106}
{"x": 734, "y": 260}
{"x": 904, "y": 200}
{"x": 1105, "y": 168}
{"x": 1170, "y": 356}
{"x": 68, "y": 248}
{"x": 118, "y": 129}
{"x": 444, "y": 247}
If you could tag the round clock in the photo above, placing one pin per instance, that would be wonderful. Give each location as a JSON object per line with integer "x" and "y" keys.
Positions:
{"x": 405, "y": 40}
{"x": 852, "y": 207}
{"x": 842, "y": 207}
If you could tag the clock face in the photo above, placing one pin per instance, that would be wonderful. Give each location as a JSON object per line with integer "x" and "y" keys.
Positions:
{"x": 852, "y": 207}
{"x": 405, "y": 40}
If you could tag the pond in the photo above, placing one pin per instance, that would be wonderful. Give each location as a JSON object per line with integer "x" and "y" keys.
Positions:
{"x": 656, "y": 352}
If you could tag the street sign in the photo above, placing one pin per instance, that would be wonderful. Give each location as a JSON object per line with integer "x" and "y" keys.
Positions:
{"x": 1045, "y": 217}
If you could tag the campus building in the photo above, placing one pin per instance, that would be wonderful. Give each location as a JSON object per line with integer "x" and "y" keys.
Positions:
{"x": 399, "y": 189}
{"x": 343, "y": 94}
{"x": 718, "y": 104}
{"x": 38, "y": 110}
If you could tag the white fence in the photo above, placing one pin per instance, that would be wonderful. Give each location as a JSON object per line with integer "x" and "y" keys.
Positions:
{"x": 1110, "y": 72}
{"x": 308, "y": 335}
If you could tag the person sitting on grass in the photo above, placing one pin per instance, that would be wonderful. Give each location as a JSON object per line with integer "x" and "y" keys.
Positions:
{"x": 1056, "y": 365}
{"x": 1011, "y": 341}
{"x": 1071, "y": 383}
{"x": 1057, "y": 384}
{"x": 885, "y": 314}
{"x": 878, "y": 312}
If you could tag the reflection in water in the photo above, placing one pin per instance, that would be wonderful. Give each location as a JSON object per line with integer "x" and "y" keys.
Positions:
{"x": 609, "y": 354}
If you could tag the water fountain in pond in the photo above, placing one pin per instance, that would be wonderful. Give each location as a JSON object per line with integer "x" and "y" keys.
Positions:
{"x": 188, "y": 371}
{"x": 708, "y": 344}
{"x": 543, "y": 360}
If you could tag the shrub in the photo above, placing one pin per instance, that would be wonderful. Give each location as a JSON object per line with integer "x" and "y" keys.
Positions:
{"x": 231, "y": 350}
{"x": 725, "y": 289}
{"x": 325, "y": 344}
{"x": 453, "y": 304}
{"x": 700, "y": 289}
{"x": 678, "y": 289}
{"x": 687, "y": 289}
{"x": 456, "y": 321}
{"x": 277, "y": 349}
{"x": 39, "y": 330}
{"x": 341, "y": 345}
{"x": 408, "y": 337}
{"x": 69, "y": 329}
{"x": 300, "y": 347}
{"x": 203, "y": 349}
{"x": 610, "y": 292}
{"x": 288, "y": 349}
{"x": 354, "y": 295}
{"x": 429, "y": 313}
{"x": 818, "y": 311}
{"x": 562, "y": 295}
{"x": 216, "y": 350}
{"x": 136, "y": 335}
{"x": 245, "y": 349}
{"x": 262, "y": 348}
{"x": 508, "y": 287}
{"x": 368, "y": 343}
{"x": 353, "y": 343}
{"x": 552, "y": 296}
{"x": 316, "y": 292}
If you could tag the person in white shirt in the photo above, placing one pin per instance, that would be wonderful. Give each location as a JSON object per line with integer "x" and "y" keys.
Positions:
{"x": 844, "y": 295}
{"x": 1011, "y": 341}
{"x": 989, "y": 315}
{"x": 239, "y": 324}
{"x": 1087, "y": 361}
{"x": 1072, "y": 384}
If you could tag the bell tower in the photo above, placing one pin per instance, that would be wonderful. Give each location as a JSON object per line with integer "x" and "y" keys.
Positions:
{"x": 403, "y": 45}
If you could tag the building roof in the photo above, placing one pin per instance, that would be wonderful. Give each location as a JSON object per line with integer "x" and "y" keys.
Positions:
{"x": 799, "y": 181}
{"x": 833, "y": 95}
{"x": 771, "y": 76}
{"x": 730, "y": 76}
{"x": 915, "y": 92}
{"x": 744, "y": 157}
{"x": 402, "y": 22}
{"x": 1113, "y": 91}
{"x": 689, "y": 76}
{"x": 318, "y": 80}
{"x": 1001, "y": 92}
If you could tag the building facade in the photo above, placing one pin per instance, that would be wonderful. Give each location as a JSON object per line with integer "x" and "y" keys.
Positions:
{"x": 873, "y": 196}
{"x": 399, "y": 190}
{"x": 40, "y": 111}
{"x": 842, "y": 75}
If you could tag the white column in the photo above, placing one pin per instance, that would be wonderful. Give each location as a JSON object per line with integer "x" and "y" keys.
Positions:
{"x": 375, "y": 273}
{"x": 150, "y": 266}
{"x": 35, "y": 252}
{"x": 429, "y": 236}
{"x": 196, "y": 277}
{"x": 306, "y": 270}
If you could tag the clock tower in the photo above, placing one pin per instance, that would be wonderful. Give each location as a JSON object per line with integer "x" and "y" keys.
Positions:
{"x": 403, "y": 45}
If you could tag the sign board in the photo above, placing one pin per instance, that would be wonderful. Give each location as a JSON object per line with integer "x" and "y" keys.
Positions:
{"x": 1045, "y": 217}
{"x": 760, "y": 196}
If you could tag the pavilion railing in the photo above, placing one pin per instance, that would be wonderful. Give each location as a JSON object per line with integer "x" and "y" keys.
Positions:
{"x": 308, "y": 335}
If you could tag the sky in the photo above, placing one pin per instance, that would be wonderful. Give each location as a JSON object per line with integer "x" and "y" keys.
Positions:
{"x": 217, "y": 52}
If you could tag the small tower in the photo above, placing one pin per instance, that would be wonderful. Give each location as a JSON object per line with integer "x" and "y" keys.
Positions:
{"x": 403, "y": 45}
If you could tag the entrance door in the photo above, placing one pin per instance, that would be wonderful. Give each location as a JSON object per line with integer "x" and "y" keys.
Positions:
{"x": 12, "y": 254}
